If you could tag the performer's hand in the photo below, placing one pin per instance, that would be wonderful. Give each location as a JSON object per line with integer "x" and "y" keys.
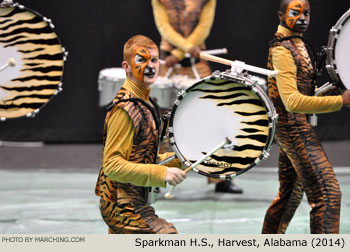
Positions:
{"x": 346, "y": 98}
{"x": 195, "y": 51}
{"x": 331, "y": 91}
{"x": 171, "y": 61}
{"x": 175, "y": 176}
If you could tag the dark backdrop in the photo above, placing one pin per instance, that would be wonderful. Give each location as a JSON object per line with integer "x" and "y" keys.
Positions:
{"x": 93, "y": 32}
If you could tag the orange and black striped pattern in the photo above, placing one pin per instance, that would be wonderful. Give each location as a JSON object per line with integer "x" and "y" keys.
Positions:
{"x": 126, "y": 219}
{"x": 123, "y": 206}
{"x": 184, "y": 17}
{"x": 184, "y": 14}
{"x": 303, "y": 164}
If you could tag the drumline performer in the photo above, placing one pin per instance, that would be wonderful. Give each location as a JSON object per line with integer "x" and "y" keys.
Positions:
{"x": 130, "y": 148}
{"x": 303, "y": 165}
{"x": 184, "y": 26}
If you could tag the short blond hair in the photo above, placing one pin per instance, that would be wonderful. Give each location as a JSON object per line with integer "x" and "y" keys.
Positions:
{"x": 137, "y": 41}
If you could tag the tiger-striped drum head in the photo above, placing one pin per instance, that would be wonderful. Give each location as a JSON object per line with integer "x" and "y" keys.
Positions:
{"x": 31, "y": 62}
{"x": 217, "y": 107}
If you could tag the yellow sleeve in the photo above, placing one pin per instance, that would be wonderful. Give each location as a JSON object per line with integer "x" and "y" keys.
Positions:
{"x": 202, "y": 30}
{"x": 293, "y": 100}
{"x": 119, "y": 142}
{"x": 197, "y": 37}
{"x": 178, "y": 53}
{"x": 165, "y": 29}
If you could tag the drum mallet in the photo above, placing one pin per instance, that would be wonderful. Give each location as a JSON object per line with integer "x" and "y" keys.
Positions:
{"x": 11, "y": 62}
{"x": 238, "y": 66}
{"x": 187, "y": 55}
{"x": 207, "y": 52}
{"x": 170, "y": 195}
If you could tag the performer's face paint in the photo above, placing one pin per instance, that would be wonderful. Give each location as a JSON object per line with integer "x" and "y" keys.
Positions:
{"x": 152, "y": 70}
{"x": 297, "y": 16}
{"x": 139, "y": 62}
{"x": 145, "y": 65}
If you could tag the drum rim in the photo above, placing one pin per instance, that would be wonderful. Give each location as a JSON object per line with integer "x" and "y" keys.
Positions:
{"x": 267, "y": 103}
{"x": 63, "y": 51}
{"x": 332, "y": 42}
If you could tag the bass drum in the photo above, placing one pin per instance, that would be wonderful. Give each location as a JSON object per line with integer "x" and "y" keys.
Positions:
{"x": 338, "y": 52}
{"x": 31, "y": 61}
{"x": 217, "y": 107}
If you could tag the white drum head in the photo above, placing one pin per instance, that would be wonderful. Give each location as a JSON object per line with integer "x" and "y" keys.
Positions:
{"x": 338, "y": 52}
{"x": 342, "y": 54}
{"x": 211, "y": 110}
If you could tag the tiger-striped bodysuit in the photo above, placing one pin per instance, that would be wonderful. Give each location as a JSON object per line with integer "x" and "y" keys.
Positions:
{"x": 124, "y": 206}
{"x": 303, "y": 164}
{"x": 182, "y": 25}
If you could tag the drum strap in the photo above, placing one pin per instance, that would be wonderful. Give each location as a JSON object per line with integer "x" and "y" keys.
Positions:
{"x": 155, "y": 113}
{"x": 308, "y": 46}
{"x": 165, "y": 120}
{"x": 162, "y": 122}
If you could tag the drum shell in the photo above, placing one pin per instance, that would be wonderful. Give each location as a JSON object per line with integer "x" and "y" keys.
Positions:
{"x": 108, "y": 85}
{"x": 163, "y": 91}
{"x": 164, "y": 96}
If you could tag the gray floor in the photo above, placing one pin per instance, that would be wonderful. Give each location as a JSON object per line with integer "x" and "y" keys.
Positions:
{"x": 50, "y": 189}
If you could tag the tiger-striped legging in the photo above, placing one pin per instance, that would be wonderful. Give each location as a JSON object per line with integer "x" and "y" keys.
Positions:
{"x": 304, "y": 166}
{"x": 125, "y": 219}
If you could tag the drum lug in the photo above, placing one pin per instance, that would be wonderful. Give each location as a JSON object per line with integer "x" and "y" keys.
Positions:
{"x": 334, "y": 30}
{"x": 33, "y": 114}
{"x": 49, "y": 21}
{"x": 265, "y": 154}
{"x": 60, "y": 89}
{"x": 224, "y": 177}
{"x": 65, "y": 54}
{"x": 195, "y": 170}
{"x": 274, "y": 116}
{"x": 181, "y": 93}
{"x": 3, "y": 119}
{"x": 257, "y": 161}
{"x": 329, "y": 67}
{"x": 329, "y": 49}
{"x": 255, "y": 90}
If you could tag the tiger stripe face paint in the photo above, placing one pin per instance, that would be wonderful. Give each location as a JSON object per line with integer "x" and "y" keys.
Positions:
{"x": 293, "y": 13}
{"x": 139, "y": 61}
{"x": 297, "y": 15}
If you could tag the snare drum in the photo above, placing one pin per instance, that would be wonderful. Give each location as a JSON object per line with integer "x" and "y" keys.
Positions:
{"x": 182, "y": 82}
{"x": 29, "y": 43}
{"x": 220, "y": 106}
{"x": 110, "y": 80}
{"x": 164, "y": 92}
{"x": 338, "y": 52}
